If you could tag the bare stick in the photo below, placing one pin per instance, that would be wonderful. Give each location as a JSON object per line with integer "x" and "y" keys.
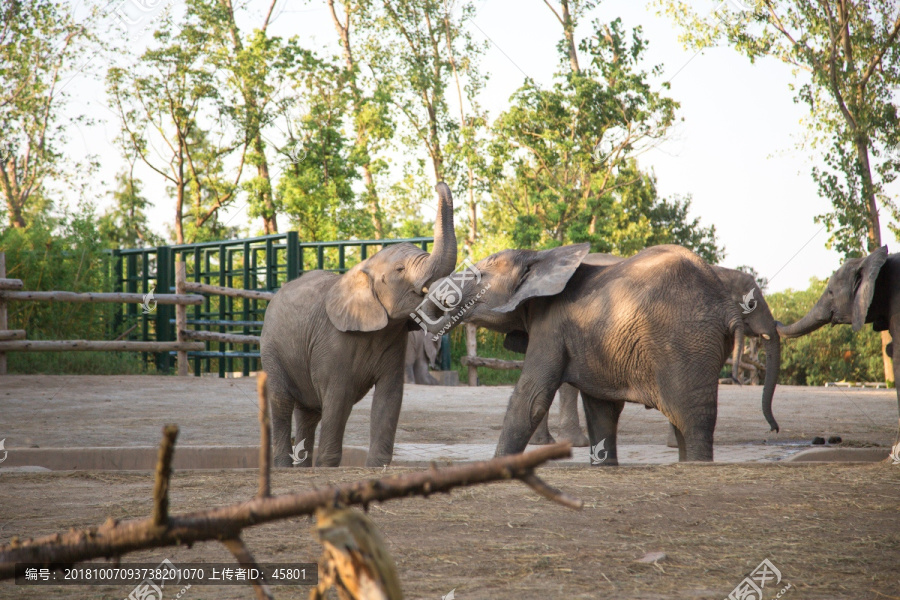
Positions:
{"x": 97, "y": 345}
{"x": 215, "y": 336}
{"x": 551, "y": 493}
{"x": 126, "y": 297}
{"x": 240, "y": 551}
{"x": 10, "y": 284}
{"x": 206, "y": 288}
{"x": 163, "y": 474}
{"x": 265, "y": 437}
{"x": 12, "y": 334}
{"x": 114, "y": 538}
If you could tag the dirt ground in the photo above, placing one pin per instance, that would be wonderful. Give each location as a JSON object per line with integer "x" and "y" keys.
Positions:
{"x": 82, "y": 411}
{"x": 833, "y": 530}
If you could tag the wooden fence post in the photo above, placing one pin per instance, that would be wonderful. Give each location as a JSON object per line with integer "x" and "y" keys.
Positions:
{"x": 3, "y": 321}
{"x": 472, "y": 350}
{"x": 181, "y": 316}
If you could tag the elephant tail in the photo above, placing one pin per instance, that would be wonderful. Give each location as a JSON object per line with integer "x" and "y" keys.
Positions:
{"x": 736, "y": 328}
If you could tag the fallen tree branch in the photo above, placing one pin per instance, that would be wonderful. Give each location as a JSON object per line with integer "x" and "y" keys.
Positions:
{"x": 113, "y": 538}
{"x": 163, "y": 475}
{"x": 243, "y": 555}
{"x": 265, "y": 437}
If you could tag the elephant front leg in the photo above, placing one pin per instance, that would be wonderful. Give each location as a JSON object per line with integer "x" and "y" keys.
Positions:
{"x": 385, "y": 414}
{"x": 527, "y": 407}
{"x": 603, "y": 423}
{"x": 542, "y": 435}
{"x": 569, "y": 427}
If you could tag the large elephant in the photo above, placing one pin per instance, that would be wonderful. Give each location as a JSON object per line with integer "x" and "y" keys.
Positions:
{"x": 863, "y": 290}
{"x": 328, "y": 338}
{"x": 421, "y": 351}
{"x": 654, "y": 329}
{"x": 758, "y": 322}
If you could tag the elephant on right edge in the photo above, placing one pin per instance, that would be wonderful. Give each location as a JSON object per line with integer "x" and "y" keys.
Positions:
{"x": 758, "y": 322}
{"x": 863, "y": 290}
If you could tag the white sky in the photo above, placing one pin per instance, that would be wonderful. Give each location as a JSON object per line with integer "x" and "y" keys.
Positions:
{"x": 734, "y": 152}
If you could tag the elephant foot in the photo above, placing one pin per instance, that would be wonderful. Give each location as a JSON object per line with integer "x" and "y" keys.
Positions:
{"x": 282, "y": 461}
{"x": 574, "y": 436}
{"x": 541, "y": 438}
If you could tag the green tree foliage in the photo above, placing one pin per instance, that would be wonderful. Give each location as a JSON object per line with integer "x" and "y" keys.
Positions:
{"x": 124, "y": 224}
{"x": 166, "y": 105}
{"x": 315, "y": 190}
{"x": 832, "y": 353}
{"x": 39, "y": 42}
{"x": 63, "y": 253}
{"x": 848, "y": 52}
{"x": 563, "y": 159}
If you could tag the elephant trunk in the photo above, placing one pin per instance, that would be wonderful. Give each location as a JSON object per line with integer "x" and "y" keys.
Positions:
{"x": 442, "y": 260}
{"x": 772, "y": 347}
{"x": 814, "y": 319}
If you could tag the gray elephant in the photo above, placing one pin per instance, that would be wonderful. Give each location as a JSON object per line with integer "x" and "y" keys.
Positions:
{"x": 863, "y": 290}
{"x": 758, "y": 322}
{"x": 328, "y": 338}
{"x": 654, "y": 329}
{"x": 421, "y": 351}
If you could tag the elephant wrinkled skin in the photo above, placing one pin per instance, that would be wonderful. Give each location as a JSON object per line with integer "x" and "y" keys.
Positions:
{"x": 654, "y": 329}
{"x": 327, "y": 339}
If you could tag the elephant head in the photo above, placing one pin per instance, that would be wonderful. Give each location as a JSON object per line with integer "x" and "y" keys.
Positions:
{"x": 493, "y": 293}
{"x": 390, "y": 284}
{"x": 846, "y": 298}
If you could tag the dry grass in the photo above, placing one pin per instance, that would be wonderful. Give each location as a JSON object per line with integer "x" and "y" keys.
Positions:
{"x": 832, "y": 530}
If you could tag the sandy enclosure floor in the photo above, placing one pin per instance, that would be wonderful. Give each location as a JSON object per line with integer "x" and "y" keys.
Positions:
{"x": 79, "y": 411}
{"x": 833, "y": 531}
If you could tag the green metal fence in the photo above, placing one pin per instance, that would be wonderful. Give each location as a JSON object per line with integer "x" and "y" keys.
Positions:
{"x": 260, "y": 263}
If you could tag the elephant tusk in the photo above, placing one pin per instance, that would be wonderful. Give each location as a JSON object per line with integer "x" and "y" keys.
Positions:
{"x": 766, "y": 336}
{"x": 425, "y": 289}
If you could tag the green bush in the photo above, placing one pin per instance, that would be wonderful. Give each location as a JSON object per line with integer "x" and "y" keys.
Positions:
{"x": 832, "y": 353}
{"x": 66, "y": 254}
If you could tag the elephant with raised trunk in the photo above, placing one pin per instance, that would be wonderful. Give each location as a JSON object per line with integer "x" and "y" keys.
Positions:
{"x": 328, "y": 338}
{"x": 758, "y": 322}
{"x": 654, "y": 329}
{"x": 863, "y": 290}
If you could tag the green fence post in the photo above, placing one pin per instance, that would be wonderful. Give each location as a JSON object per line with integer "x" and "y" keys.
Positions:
{"x": 293, "y": 256}
{"x": 163, "y": 330}
{"x": 341, "y": 267}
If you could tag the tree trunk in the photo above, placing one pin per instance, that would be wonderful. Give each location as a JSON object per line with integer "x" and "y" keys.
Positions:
{"x": 569, "y": 29}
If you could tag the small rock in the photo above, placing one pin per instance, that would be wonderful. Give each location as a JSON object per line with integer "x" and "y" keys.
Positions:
{"x": 652, "y": 557}
{"x": 835, "y": 439}
{"x": 818, "y": 441}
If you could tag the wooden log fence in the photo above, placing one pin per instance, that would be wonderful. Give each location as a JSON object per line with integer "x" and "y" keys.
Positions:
{"x": 183, "y": 334}
{"x": 225, "y": 524}
{"x": 13, "y": 340}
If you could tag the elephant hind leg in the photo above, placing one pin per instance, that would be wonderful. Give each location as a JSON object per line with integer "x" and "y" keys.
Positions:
{"x": 602, "y": 418}
{"x": 281, "y": 404}
{"x": 569, "y": 427}
{"x": 695, "y": 430}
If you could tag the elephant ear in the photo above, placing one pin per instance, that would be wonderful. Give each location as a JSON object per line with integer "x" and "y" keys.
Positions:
{"x": 351, "y": 303}
{"x": 547, "y": 275}
{"x": 868, "y": 274}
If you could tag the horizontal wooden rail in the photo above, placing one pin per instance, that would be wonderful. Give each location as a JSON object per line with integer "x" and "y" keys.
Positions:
{"x": 491, "y": 363}
{"x": 12, "y": 334}
{"x": 206, "y": 288}
{"x": 214, "y": 336}
{"x": 191, "y": 299}
{"x": 78, "y": 345}
{"x": 10, "y": 284}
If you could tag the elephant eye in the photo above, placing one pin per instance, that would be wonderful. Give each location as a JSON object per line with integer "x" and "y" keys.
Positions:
{"x": 400, "y": 268}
